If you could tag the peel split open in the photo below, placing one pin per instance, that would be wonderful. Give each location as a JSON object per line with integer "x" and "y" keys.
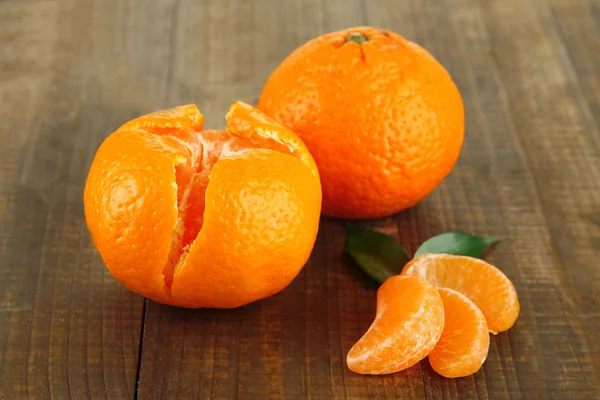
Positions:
{"x": 200, "y": 218}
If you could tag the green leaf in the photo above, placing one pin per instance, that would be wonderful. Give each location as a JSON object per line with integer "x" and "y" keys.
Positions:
{"x": 458, "y": 243}
{"x": 378, "y": 254}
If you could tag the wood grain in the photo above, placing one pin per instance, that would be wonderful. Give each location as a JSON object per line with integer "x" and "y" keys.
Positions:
{"x": 71, "y": 72}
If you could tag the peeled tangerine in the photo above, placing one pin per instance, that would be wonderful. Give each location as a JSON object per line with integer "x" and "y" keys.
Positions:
{"x": 199, "y": 218}
{"x": 408, "y": 324}
{"x": 451, "y": 324}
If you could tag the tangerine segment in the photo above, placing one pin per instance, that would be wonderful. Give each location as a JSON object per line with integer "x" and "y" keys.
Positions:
{"x": 465, "y": 341}
{"x": 164, "y": 199}
{"x": 484, "y": 284}
{"x": 408, "y": 324}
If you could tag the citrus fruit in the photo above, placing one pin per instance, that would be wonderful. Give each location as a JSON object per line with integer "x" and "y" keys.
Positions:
{"x": 408, "y": 324}
{"x": 382, "y": 118}
{"x": 484, "y": 284}
{"x": 465, "y": 340}
{"x": 202, "y": 218}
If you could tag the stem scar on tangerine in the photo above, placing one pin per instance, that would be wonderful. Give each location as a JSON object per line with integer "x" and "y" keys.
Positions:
{"x": 383, "y": 119}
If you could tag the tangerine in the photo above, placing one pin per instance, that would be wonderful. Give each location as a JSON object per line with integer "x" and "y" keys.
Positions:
{"x": 382, "y": 118}
{"x": 485, "y": 285}
{"x": 465, "y": 340}
{"x": 202, "y": 218}
{"x": 408, "y": 323}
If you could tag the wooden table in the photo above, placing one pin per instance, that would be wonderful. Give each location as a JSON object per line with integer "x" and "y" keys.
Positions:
{"x": 72, "y": 71}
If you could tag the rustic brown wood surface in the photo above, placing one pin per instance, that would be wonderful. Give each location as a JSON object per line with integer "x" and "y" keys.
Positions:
{"x": 73, "y": 71}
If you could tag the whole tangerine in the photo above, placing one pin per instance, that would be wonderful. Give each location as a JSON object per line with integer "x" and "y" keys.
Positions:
{"x": 382, "y": 118}
{"x": 200, "y": 218}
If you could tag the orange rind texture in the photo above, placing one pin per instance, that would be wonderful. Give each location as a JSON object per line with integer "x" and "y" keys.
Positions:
{"x": 199, "y": 218}
{"x": 383, "y": 119}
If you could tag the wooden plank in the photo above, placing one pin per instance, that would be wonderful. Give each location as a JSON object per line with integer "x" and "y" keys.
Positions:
{"x": 69, "y": 74}
{"x": 355, "y": 291}
{"x": 204, "y": 353}
{"x": 561, "y": 143}
{"x": 73, "y": 71}
{"x": 294, "y": 344}
{"x": 492, "y": 191}
{"x": 496, "y": 189}
{"x": 196, "y": 353}
{"x": 463, "y": 201}
{"x": 576, "y": 26}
